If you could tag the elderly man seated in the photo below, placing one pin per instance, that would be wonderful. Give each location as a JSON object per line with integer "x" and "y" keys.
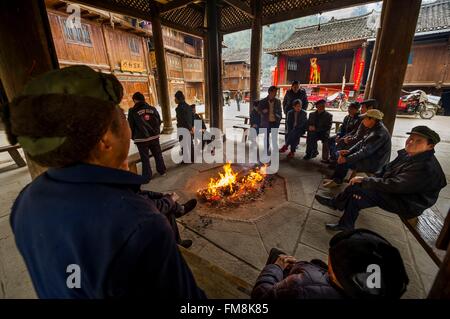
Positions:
{"x": 347, "y": 275}
{"x": 368, "y": 155}
{"x": 406, "y": 186}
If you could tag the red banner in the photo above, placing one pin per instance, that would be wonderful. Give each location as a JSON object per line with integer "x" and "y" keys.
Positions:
{"x": 358, "y": 70}
{"x": 275, "y": 76}
{"x": 281, "y": 69}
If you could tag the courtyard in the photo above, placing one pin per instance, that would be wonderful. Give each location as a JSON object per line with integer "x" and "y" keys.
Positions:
{"x": 238, "y": 241}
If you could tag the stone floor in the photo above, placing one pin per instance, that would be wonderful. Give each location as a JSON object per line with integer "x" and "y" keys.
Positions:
{"x": 240, "y": 245}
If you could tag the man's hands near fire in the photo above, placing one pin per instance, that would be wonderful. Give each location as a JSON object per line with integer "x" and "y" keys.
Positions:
{"x": 285, "y": 262}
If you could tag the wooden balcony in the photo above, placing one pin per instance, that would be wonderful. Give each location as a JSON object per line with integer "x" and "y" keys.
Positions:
{"x": 181, "y": 47}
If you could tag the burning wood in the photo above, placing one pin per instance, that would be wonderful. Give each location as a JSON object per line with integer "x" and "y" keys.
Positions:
{"x": 234, "y": 187}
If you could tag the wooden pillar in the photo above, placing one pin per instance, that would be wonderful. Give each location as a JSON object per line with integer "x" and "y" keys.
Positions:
{"x": 256, "y": 51}
{"x": 27, "y": 49}
{"x": 441, "y": 285}
{"x": 160, "y": 57}
{"x": 392, "y": 60}
{"x": 214, "y": 76}
{"x": 373, "y": 60}
{"x": 206, "y": 94}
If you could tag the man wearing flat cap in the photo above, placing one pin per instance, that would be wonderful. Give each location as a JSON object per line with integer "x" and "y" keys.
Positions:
{"x": 369, "y": 154}
{"x": 406, "y": 186}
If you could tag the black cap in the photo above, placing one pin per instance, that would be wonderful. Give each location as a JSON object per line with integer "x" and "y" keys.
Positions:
{"x": 297, "y": 101}
{"x": 355, "y": 105}
{"x": 370, "y": 102}
{"x": 356, "y": 255}
{"x": 272, "y": 88}
{"x": 295, "y": 82}
{"x": 426, "y": 132}
{"x": 321, "y": 101}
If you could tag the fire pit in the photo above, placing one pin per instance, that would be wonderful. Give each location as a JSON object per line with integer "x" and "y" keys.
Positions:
{"x": 234, "y": 188}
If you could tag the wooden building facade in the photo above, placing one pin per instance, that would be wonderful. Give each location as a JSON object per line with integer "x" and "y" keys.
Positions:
{"x": 117, "y": 44}
{"x": 343, "y": 49}
{"x": 236, "y": 71}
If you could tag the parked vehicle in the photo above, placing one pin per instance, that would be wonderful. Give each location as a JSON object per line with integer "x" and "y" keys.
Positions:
{"x": 338, "y": 100}
{"x": 417, "y": 103}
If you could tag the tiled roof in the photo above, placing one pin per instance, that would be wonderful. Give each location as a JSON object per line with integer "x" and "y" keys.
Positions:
{"x": 241, "y": 55}
{"x": 333, "y": 31}
{"x": 434, "y": 17}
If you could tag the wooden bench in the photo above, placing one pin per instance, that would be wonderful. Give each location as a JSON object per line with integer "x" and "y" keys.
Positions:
{"x": 215, "y": 282}
{"x": 427, "y": 229}
{"x": 135, "y": 158}
{"x": 14, "y": 153}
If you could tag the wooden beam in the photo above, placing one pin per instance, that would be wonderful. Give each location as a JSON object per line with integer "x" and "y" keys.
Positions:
{"x": 199, "y": 33}
{"x": 256, "y": 51}
{"x": 441, "y": 285}
{"x": 33, "y": 55}
{"x": 393, "y": 52}
{"x": 173, "y": 5}
{"x": 116, "y": 8}
{"x": 241, "y": 6}
{"x": 298, "y": 13}
{"x": 160, "y": 57}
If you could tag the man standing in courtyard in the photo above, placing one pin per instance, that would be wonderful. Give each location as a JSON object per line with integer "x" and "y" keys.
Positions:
{"x": 145, "y": 125}
{"x": 270, "y": 110}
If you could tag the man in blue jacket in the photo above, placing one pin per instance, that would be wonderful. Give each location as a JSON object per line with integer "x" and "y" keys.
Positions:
{"x": 82, "y": 227}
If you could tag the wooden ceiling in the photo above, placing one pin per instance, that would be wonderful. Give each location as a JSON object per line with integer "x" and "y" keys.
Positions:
{"x": 236, "y": 15}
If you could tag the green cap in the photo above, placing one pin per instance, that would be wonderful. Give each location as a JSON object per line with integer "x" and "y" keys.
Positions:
{"x": 426, "y": 132}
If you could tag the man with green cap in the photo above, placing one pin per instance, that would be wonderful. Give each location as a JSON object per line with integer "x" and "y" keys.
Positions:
{"x": 406, "y": 186}
{"x": 83, "y": 227}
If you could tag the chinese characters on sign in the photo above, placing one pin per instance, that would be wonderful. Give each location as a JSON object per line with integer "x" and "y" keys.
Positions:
{"x": 359, "y": 69}
{"x": 132, "y": 66}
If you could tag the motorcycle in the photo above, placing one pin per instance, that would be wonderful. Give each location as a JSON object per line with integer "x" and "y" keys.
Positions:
{"x": 416, "y": 103}
{"x": 338, "y": 100}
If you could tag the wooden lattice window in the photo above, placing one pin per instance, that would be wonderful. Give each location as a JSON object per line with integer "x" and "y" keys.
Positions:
{"x": 133, "y": 43}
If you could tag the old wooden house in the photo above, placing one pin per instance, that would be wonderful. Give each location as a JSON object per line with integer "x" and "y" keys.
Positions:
{"x": 343, "y": 50}
{"x": 236, "y": 75}
{"x": 123, "y": 46}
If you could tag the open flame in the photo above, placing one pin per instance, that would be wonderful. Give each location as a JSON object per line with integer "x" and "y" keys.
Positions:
{"x": 230, "y": 188}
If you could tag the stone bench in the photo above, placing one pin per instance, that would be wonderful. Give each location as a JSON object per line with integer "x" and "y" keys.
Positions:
{"x": 14, "y": 153}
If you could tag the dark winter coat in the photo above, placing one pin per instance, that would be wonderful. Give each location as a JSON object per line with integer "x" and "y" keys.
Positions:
{"x": 291, "y": 96}
{"x": 321, "y": 121}
{"x": 373, "y": 151}
{"x": 95, "y": 218}
{"x": 185, "y": 116}
{"x": 411, "y": 182}
{"x": 145, "y": 122}
{"x": 265, "y": 120}
{"x": 302, "y": 121}
{"x": 306, "y": 280}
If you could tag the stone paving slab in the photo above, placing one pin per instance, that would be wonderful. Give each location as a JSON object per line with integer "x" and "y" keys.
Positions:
{"x": 282, "y": 229}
